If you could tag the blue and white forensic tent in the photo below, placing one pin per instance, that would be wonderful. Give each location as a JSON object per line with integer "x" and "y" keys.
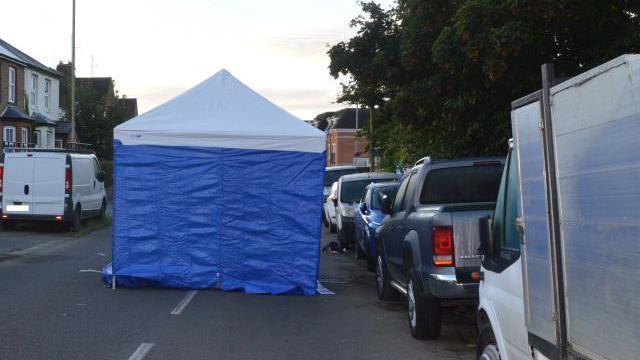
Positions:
{"x": 217, "y": 188}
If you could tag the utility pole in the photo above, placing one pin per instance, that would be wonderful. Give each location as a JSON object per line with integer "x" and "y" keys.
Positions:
{"x": 72, "y": 133}
{"x": 355, "y": 137}
{"x": 372, "y": 149}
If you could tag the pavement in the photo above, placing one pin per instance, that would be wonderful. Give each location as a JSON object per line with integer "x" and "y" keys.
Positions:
{"x": 54, "y": 306}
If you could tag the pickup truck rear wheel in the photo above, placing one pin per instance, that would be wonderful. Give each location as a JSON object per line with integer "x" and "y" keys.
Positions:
{"x": 386, "y": 292}
{"x": 425, "y": 315}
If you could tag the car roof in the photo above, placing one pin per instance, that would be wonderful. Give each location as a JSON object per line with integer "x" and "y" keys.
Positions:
{"x": 366, "y": 176}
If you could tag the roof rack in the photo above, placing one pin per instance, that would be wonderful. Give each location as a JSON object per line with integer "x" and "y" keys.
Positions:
{"x": 70, "y": 147}
{"x": 426, "y": 159}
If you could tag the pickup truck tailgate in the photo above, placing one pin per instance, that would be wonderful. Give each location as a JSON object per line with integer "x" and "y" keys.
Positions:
{"x": 466, "y": 238}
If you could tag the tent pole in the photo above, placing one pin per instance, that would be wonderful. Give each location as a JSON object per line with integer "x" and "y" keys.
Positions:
{"x": 113, "y": 282}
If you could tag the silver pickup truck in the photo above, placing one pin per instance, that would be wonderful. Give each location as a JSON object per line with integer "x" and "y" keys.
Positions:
{"x": 428, "y": 243}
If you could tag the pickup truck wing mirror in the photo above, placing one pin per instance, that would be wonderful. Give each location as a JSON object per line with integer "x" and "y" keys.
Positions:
{"x": 363, "y": 207}
{"x": 385, "y": 204}
{"x": 487, "y": 240}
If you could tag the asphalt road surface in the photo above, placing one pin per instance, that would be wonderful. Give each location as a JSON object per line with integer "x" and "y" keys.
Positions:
{"x": 54, "y": 306}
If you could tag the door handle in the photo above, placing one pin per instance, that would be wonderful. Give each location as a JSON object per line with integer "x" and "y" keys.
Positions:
{"x": 26, "y": 189}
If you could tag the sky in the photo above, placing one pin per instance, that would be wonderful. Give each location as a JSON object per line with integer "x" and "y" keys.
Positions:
{"x": 157, "y": 49}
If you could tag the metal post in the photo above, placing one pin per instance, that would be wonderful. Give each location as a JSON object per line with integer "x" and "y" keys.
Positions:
{"x": 553, "y": 208}
{"x": 113, "y": 282}
{"x": 72, "y": 133}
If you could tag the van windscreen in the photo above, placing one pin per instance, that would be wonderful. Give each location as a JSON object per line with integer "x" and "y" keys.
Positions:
{"x": 331, "y": 176}
{"x": 459, "y": 185}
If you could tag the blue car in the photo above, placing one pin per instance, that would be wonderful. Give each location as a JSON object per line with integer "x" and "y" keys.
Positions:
{"x": 368, "y": 216}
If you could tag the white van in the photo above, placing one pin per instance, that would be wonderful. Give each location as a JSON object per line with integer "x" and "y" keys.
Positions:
{"x": 51, "y": 185}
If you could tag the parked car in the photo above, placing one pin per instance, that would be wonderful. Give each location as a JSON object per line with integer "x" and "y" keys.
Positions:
{"x": 427, "y": 244}
{"x": 367, "y": 219}
{"x": 559, "y": 278}
{"x": 329, "y": 209}
{"x": 331, "y": 175}
{"x": 51, "y": 185}
{"x": 350, "y": 190}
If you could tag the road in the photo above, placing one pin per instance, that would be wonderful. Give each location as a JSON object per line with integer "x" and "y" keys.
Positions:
{"x": 54, "y": 306}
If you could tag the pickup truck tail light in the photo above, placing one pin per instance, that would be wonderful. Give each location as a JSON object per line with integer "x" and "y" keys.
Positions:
{"x": 67, "y": 181}
{"x": 442, "y": 237}
{"x": 1, "y": 176}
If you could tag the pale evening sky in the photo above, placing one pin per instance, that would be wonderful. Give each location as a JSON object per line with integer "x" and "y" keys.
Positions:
{"x": 156, "y": 49}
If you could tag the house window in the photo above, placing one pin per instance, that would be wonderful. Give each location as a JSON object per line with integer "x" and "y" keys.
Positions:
{"x": 36, "y": 138}
{"x": 59, "y": 143}
{"x": 25, "y": 136}
{"x": 47, "y": 89}
{"x": 49, "y": 139}
{"x": 34, "y": 90}
{"x": 12, "y": 85}
{"x": 9, "y": 134}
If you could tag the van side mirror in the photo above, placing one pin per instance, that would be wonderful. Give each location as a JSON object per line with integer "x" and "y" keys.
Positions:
{"x": 487, "y": 240}
{"x": 100, "y": 175}
{"x": 385, "y": 204}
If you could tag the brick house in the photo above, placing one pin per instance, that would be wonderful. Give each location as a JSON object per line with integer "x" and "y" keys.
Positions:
{"x": 16, "y": 124}
{"x": 344, "y": 147}
{"x": 28, "y": 99}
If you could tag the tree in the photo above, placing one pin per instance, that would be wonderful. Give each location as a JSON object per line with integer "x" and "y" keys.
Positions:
{"x": 95, "y": 120}
{"x": 445, "y": 72}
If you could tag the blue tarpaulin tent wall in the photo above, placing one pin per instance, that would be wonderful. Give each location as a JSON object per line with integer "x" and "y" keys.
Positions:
{"x": 217, "y": 188}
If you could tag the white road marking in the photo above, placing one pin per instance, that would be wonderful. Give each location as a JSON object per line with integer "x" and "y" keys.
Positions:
{"x": 101, "y": 254}
{"x": 183, "y": 304}
{"x": 91, "y": 271}
{"x": 141, "y": 351}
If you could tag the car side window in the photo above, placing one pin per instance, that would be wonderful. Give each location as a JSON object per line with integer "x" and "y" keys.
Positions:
{"x": 399, "y": 199}
{"x": 408, "y": 193}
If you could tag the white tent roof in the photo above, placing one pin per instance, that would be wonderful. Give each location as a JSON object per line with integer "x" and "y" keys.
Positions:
{"x": 221, "y": 112}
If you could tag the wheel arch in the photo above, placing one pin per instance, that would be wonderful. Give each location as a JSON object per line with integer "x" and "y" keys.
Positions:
{"x": 411, "y": 252}
{"x": 486, "y": 318}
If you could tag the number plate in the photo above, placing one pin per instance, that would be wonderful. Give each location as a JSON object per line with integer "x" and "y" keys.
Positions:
{"x": 18, "y": 208}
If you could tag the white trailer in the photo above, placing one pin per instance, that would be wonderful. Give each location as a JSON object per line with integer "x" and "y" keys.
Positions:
{"x": 561, "y": 269}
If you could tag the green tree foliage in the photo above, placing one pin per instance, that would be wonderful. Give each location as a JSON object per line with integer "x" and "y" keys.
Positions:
{"x": 443, "y": 72}
{"x": 95, "y": 120}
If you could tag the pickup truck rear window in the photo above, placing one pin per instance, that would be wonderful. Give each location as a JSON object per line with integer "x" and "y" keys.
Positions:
{"x": 459, "y": 185}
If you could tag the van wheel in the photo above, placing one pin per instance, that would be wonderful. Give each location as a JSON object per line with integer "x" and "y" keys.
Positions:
{"x": 103, "y": 209}
{"x": 8, "y": 225}
{"x": 76, "y": 221}
{"x": 383, "y": 282}
{"x": 487, "y": 346}
{"x": 425, "y": 315}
